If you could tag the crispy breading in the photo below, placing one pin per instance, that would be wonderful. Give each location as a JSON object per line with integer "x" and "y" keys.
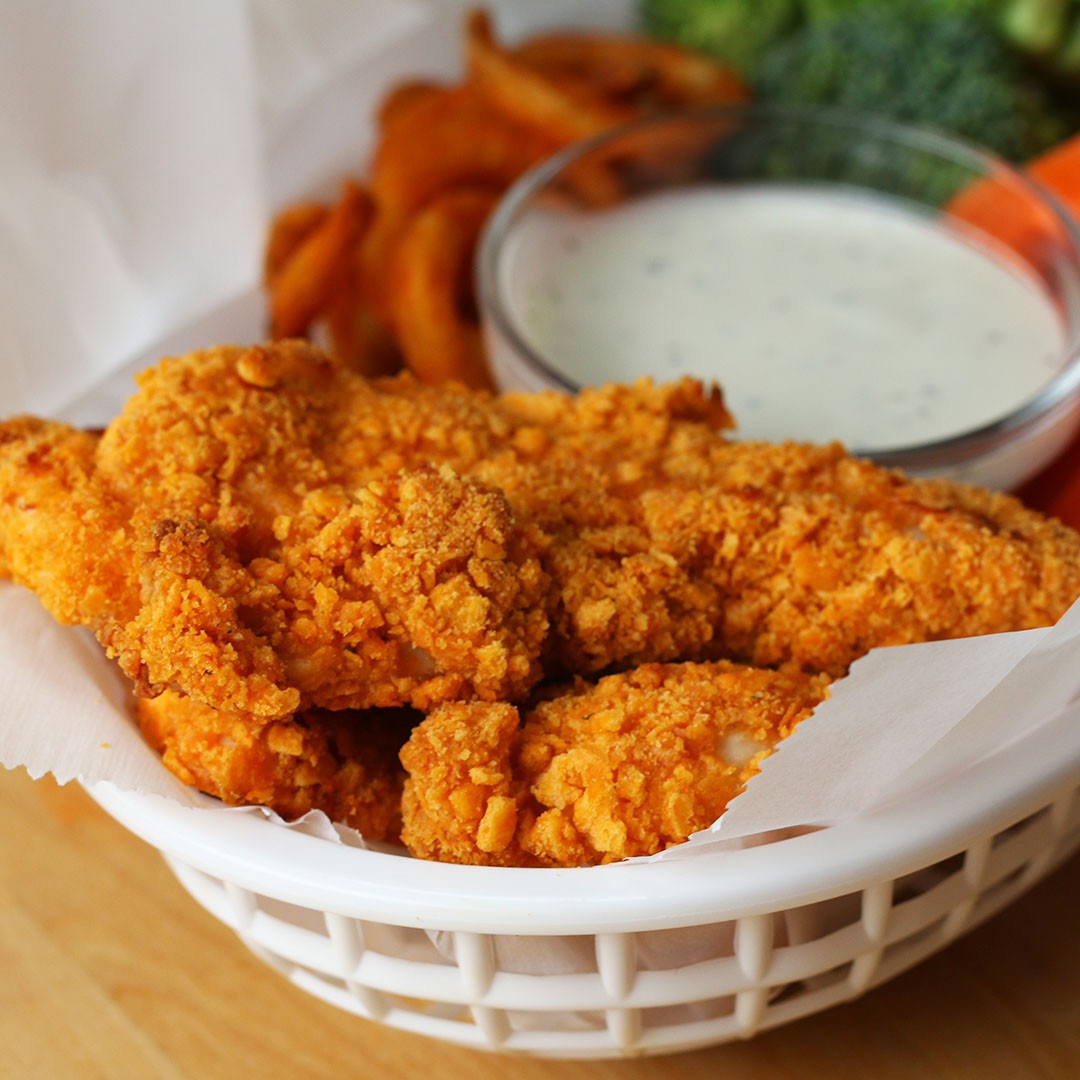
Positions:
{"x": 628, "y": 766}
{"x": 343, "y": 763}
{"x": 267, "y": 532}
{"x": 57, "y": 524}
{"x": 265, "y": 551}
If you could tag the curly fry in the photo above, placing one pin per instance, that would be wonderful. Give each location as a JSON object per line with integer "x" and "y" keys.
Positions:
{"x": 358, "y": 316}
{"x": 289, "y": 229}
{"x": 518, "y": 107}
{"x": 452, "y": 139}
{"x": 303, "y": 286}
{"x": 429, "y": 275}
{"x": 402, "y": 98}
{"x": 565, "y": 110}
{"x": 361, "y": 337}
{"x": 638, "y": 71}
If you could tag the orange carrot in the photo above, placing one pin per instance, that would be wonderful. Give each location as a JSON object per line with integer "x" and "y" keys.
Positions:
{"x": 1059, "y": 170}
{"x": 998, "y": 208}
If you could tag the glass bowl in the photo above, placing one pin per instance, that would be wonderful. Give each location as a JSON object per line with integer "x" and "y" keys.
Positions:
{"x": 979, "y": 200}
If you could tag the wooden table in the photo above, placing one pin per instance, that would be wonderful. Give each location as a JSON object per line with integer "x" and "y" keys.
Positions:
{"x": 109, "y": 970}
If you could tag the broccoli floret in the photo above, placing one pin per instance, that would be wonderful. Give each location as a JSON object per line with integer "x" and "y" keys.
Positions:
{"x": 1066, "y": 63}
{"x": 820, "y": 10}
{"x": 1038, "y": 27}
{"x": 1045, "y": 32}
{"x": 1048, "y": 32}
{"x": 737, "y": 32}
{"x": 910, "y": 63}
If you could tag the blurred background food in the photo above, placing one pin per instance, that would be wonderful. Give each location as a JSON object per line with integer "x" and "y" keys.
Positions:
{"x": 401, "y": 242}
{"x": 912, "y": 64}
{"x": 1002, "y": 72}
{"x": 1005, "y": 73}
{"x": 385, "y": 275}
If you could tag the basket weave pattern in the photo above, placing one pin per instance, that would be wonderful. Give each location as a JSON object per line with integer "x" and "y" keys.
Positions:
{"x": 463, "y": 986}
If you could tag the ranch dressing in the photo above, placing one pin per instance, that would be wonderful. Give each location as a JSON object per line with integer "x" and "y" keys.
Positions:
{"x": 822, "y": 314}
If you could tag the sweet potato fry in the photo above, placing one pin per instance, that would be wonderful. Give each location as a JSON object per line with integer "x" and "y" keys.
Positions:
{"x": 430, "y": 276}
{"x": 303, "y": 286}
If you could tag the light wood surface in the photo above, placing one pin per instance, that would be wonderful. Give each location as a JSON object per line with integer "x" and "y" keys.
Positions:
{"x": 109, "y": 970}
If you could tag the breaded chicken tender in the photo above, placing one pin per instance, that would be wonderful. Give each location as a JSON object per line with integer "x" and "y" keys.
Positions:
{"x": 266, "y": 533}
{"x": 342, "y": 763}
{"x": 628, "y": 766}
{"x": 239, "y": 535}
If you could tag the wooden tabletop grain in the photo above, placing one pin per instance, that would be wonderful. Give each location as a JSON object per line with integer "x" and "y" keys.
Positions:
{"x": 109, "y": 971}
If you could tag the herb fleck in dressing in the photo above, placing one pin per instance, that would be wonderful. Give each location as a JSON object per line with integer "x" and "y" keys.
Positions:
{"x": 823, "y": 315}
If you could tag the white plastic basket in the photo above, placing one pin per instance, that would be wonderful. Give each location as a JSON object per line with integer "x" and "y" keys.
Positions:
{"x": 631, "y": 958}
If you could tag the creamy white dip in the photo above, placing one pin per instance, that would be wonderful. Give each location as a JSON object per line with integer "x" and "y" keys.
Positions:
{"x": 822, "y": 314}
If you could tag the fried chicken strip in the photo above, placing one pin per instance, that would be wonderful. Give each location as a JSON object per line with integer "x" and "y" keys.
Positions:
{"x": 57, "y": 524}
{"x": 628, "y": 766}
{"x": 266, "y": 533}
{"x": 248, "y": 568}
{"x": 279, "y": 538}
{"x": 341, "y": 763}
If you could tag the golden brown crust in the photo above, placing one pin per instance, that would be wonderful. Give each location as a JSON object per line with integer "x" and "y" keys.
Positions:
{"x": 60, "y": 531}
{"x": 462, "y": 787}
{"x": 625, "y": 767}
{"x": 266, "y": 532}
{"x": 344, "y": 763}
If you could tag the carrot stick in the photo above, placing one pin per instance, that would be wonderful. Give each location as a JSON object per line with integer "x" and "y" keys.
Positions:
{"x": 996, "y": 207}
{"x": 1059, "y": 170}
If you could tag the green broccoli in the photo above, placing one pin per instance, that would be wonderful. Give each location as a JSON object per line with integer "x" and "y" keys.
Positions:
{"x": 737, "y": 32}
{"x": 1045, "y": 31}
{"x": 1038, "y": 27}
{"x": 912, "y": 64}
{"x": 1048, "y": 32}
{"x": 821, "y": 10}
{"x": 1066, "y": 66}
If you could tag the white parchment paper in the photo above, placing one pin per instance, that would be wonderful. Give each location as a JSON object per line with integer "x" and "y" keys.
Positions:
{"x": 125, "y": 143}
